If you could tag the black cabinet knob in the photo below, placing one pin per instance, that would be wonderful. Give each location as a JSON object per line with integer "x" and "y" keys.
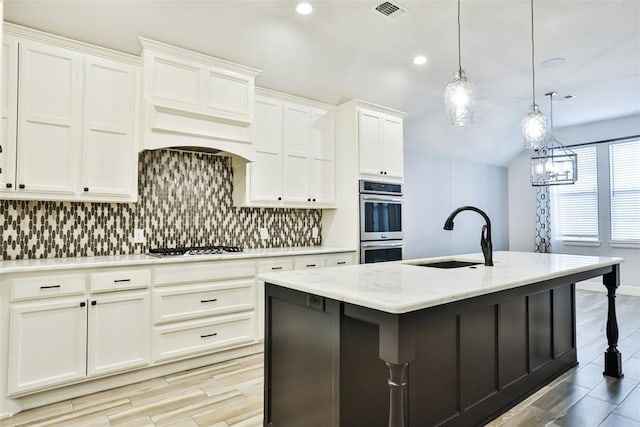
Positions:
{"x": 381, "y": 172}
{"x": 0, "y": 148}
{"x": 308, "y": 200}
{"x": 385, "y": 172}
{"x": 21, "y": 186}
{"x": 94, "y": 302}
{"x": 279, "y": 198}
{"x": 82, "y": 304}
{"x": 0, "y": 170}
{"x": 9, "y": 185}
{"x": 86, "y": 189}
{"x": 314, "y": 200}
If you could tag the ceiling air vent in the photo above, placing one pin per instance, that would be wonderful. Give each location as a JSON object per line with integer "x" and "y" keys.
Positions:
{"x": 391, "y": 10}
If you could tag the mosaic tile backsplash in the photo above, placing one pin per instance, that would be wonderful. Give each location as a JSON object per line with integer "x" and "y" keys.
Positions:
{"x": 183, "y": 199}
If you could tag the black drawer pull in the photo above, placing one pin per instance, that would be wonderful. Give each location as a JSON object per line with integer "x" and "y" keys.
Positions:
{"x": 49, "y": 286}
{"x": 82, "y": 304}
{"x": 208, "y": 300}
{"x": 121, "y": 280}
{"x": 9, "y": 185}
{"x": 94, "y": 302}
{"x": 342, "y": 262}
{"x": 276, "y": 268}
{"x": 86, "y": 189}
{"x": 311, "y": 265}
{"x": 21, "y": 186}
{"x": 209, "y": 335}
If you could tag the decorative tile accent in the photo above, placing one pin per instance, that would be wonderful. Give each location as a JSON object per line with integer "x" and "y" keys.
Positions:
{"x": 184, "y": 199}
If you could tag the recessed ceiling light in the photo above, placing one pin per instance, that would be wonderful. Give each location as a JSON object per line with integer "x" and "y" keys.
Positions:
{"x": 420, "y": 60}
{"x": 304, "y": 8}
{"x": 552, "y": 63}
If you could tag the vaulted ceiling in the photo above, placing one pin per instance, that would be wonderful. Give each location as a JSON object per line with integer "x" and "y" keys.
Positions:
{"x": 345, "y": 50}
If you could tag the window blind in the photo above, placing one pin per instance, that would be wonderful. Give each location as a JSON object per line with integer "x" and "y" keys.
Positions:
{"x": 575, "y": 206}
{"x": 624, "y": 161}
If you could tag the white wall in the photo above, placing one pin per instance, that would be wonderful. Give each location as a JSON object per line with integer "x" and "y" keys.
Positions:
{"x": 434, "y": 186}
{"x": 522, "y": 202}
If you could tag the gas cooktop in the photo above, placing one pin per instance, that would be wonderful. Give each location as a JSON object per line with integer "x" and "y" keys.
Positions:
{"x": 193, "y": 250}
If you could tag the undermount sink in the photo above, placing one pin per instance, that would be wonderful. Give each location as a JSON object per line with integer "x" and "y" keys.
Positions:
{"x": 448, "y": 264}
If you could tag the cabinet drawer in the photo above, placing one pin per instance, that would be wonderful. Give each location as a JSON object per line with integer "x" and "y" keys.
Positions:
{"x": 203, "y": 335}
{"x": 49, "y": 285}
{"x": 116, "y": 280}
{"x": 336, "y": 260}
{"x": 304, "y": 262}
{"x": 191, "y": 301}
{"x": 275, "y": 265}
{"x": 204, "y": 271}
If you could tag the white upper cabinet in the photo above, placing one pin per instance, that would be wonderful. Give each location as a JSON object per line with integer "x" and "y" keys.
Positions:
{"x": 295, "y": 155}
{"x": 322, "y": 167}
{"x": 9, "y": 113}
{"x": 380, "y": 145}
{"x": 70, "y": 114}
{"x": 49, "y": 119}
{"x": 191, "y": 99}
{"x": 297, "y": 120}
{"x": 109, "y": 151}
{"x": 266, "y": 172}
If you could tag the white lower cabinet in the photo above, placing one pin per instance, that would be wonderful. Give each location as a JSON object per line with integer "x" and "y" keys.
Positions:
{"x": 73, "y": 326}
{"x": 47, "y": 343}
{"x": 199, "y": 336}
{"x": 118, "y": 332}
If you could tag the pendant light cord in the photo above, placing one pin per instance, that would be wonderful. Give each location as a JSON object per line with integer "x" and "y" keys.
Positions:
{"x": 459, "y": 49}
{"x": 533, "y": 67}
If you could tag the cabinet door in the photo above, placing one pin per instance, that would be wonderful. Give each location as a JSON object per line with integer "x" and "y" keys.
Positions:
{"x": 322, "y": 181}
{"x": 296, "y": 159}
{"x": 49, "y": 118}
{"x": 369, "y": 142}
{"x": 47, "y": 343}
{"x": 392, "y": 148}
{"x": 118, "y": 332}
{"x": 109, "y": 151}
{"x": 9, "y": 114}
{"x": 266, "y": 171}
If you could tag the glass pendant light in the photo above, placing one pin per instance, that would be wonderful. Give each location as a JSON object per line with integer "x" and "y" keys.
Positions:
{"x": 534, "y": 124}
{"x": 460, "y": 94}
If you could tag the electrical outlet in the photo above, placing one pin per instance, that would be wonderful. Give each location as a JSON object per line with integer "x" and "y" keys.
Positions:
{"x": 138, "y": 235}
{"x": 264, "y": 234}
{"x": 315, "y": 232}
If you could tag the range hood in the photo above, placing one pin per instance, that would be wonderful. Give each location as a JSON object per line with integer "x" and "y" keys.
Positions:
{"x": 195, "y": 102}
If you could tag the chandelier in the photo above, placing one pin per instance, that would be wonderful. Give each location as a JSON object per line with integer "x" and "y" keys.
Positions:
{"x": 553, "y": 163}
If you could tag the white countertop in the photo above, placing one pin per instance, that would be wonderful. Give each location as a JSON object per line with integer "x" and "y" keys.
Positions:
{"x": 49, "y": 264}
{"x": 400, "y": 287}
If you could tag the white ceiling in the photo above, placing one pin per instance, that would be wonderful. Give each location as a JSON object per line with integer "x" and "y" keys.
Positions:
{"x": 346, "y": 50}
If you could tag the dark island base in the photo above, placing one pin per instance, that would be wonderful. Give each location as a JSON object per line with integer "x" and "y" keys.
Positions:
{"x": 471, "y": 363}
{"x": 465, "y": 362}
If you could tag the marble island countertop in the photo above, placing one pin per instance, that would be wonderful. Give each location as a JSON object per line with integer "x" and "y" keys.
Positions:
{"x": 403, "y": 286}
{"x": 49, "y": 264}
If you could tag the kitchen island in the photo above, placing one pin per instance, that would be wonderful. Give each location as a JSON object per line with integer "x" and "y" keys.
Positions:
{"x": 402, "y": 344}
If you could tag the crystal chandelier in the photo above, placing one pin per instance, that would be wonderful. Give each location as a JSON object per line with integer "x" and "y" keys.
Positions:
{"x": 534, "y": 124}
{"x": 553, "y": 163}
{"x": 460, "y": 94}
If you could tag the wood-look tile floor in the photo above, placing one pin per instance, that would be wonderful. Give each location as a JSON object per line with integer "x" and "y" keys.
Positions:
{"x": 230, "y": 393}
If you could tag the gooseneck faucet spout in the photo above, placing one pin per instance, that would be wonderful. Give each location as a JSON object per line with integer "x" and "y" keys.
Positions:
{"x": 485, "y": 235}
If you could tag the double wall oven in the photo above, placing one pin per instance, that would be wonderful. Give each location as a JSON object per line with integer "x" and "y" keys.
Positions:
{"x": 381, "y": 236}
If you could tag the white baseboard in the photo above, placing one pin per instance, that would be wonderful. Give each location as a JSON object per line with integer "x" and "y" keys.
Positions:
{"x": 596, "y": 285}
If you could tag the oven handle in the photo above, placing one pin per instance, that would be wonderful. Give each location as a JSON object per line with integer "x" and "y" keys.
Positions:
{"x": 381, "y": 245}
{"x": 381, "y": 198}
